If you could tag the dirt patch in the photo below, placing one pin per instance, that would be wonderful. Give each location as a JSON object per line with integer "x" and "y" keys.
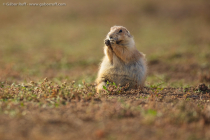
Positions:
{"x": 156, "y": 113}
{"x": 188, "y": 72}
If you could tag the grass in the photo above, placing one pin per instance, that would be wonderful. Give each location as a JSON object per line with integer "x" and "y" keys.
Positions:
{"x": 67, "y": 107}
{"x": 65, "y": 44}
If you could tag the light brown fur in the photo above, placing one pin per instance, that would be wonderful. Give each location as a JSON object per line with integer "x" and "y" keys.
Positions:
{"x": 122, "y": 62}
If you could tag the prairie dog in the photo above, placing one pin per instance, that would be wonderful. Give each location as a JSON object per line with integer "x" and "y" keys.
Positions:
{"x": 122, "y": 62}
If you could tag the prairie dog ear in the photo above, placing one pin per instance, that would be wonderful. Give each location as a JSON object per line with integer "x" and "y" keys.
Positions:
{"x": 113, "y": 27}
{"x": 128, "y": 33}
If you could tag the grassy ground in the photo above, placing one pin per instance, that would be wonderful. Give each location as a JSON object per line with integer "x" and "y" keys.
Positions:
{"x": 65, "y": 44}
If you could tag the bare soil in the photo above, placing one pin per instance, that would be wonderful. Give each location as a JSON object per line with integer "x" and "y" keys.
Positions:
{"x": 156, "y": 113}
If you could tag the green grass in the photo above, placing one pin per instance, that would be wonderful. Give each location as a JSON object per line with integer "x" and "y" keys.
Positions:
{"x": 67, "y": 106}
{"x": 47, "y": 39}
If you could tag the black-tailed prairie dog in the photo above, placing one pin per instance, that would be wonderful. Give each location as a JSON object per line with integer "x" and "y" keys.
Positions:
{"x": 122, "y": 62}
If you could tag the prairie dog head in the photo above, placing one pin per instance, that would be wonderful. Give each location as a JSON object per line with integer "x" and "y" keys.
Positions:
{"x": 121, "y": 36}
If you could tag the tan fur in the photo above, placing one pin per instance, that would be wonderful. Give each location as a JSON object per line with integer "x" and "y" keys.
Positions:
{"x": 122, "y": 62}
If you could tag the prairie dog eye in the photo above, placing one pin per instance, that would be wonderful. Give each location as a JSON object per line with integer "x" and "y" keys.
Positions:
{"x": 120, "y": 31}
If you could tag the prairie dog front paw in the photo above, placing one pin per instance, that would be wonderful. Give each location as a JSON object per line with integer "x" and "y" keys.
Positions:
{"x": 107, "y": 42}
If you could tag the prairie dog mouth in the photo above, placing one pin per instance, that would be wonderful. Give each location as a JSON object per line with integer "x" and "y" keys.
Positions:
{"x": 118, "y": 42}
{"x": 115, "y": 40}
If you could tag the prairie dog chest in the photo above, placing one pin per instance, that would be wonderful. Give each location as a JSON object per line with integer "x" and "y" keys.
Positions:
{"x": 119, "y": 66}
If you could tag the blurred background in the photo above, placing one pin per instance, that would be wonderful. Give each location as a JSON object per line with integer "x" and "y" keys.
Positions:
{"x": 65, "y": 43}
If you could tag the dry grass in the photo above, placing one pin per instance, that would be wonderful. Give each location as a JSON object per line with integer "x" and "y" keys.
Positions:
{"x": 46, "y": 110}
